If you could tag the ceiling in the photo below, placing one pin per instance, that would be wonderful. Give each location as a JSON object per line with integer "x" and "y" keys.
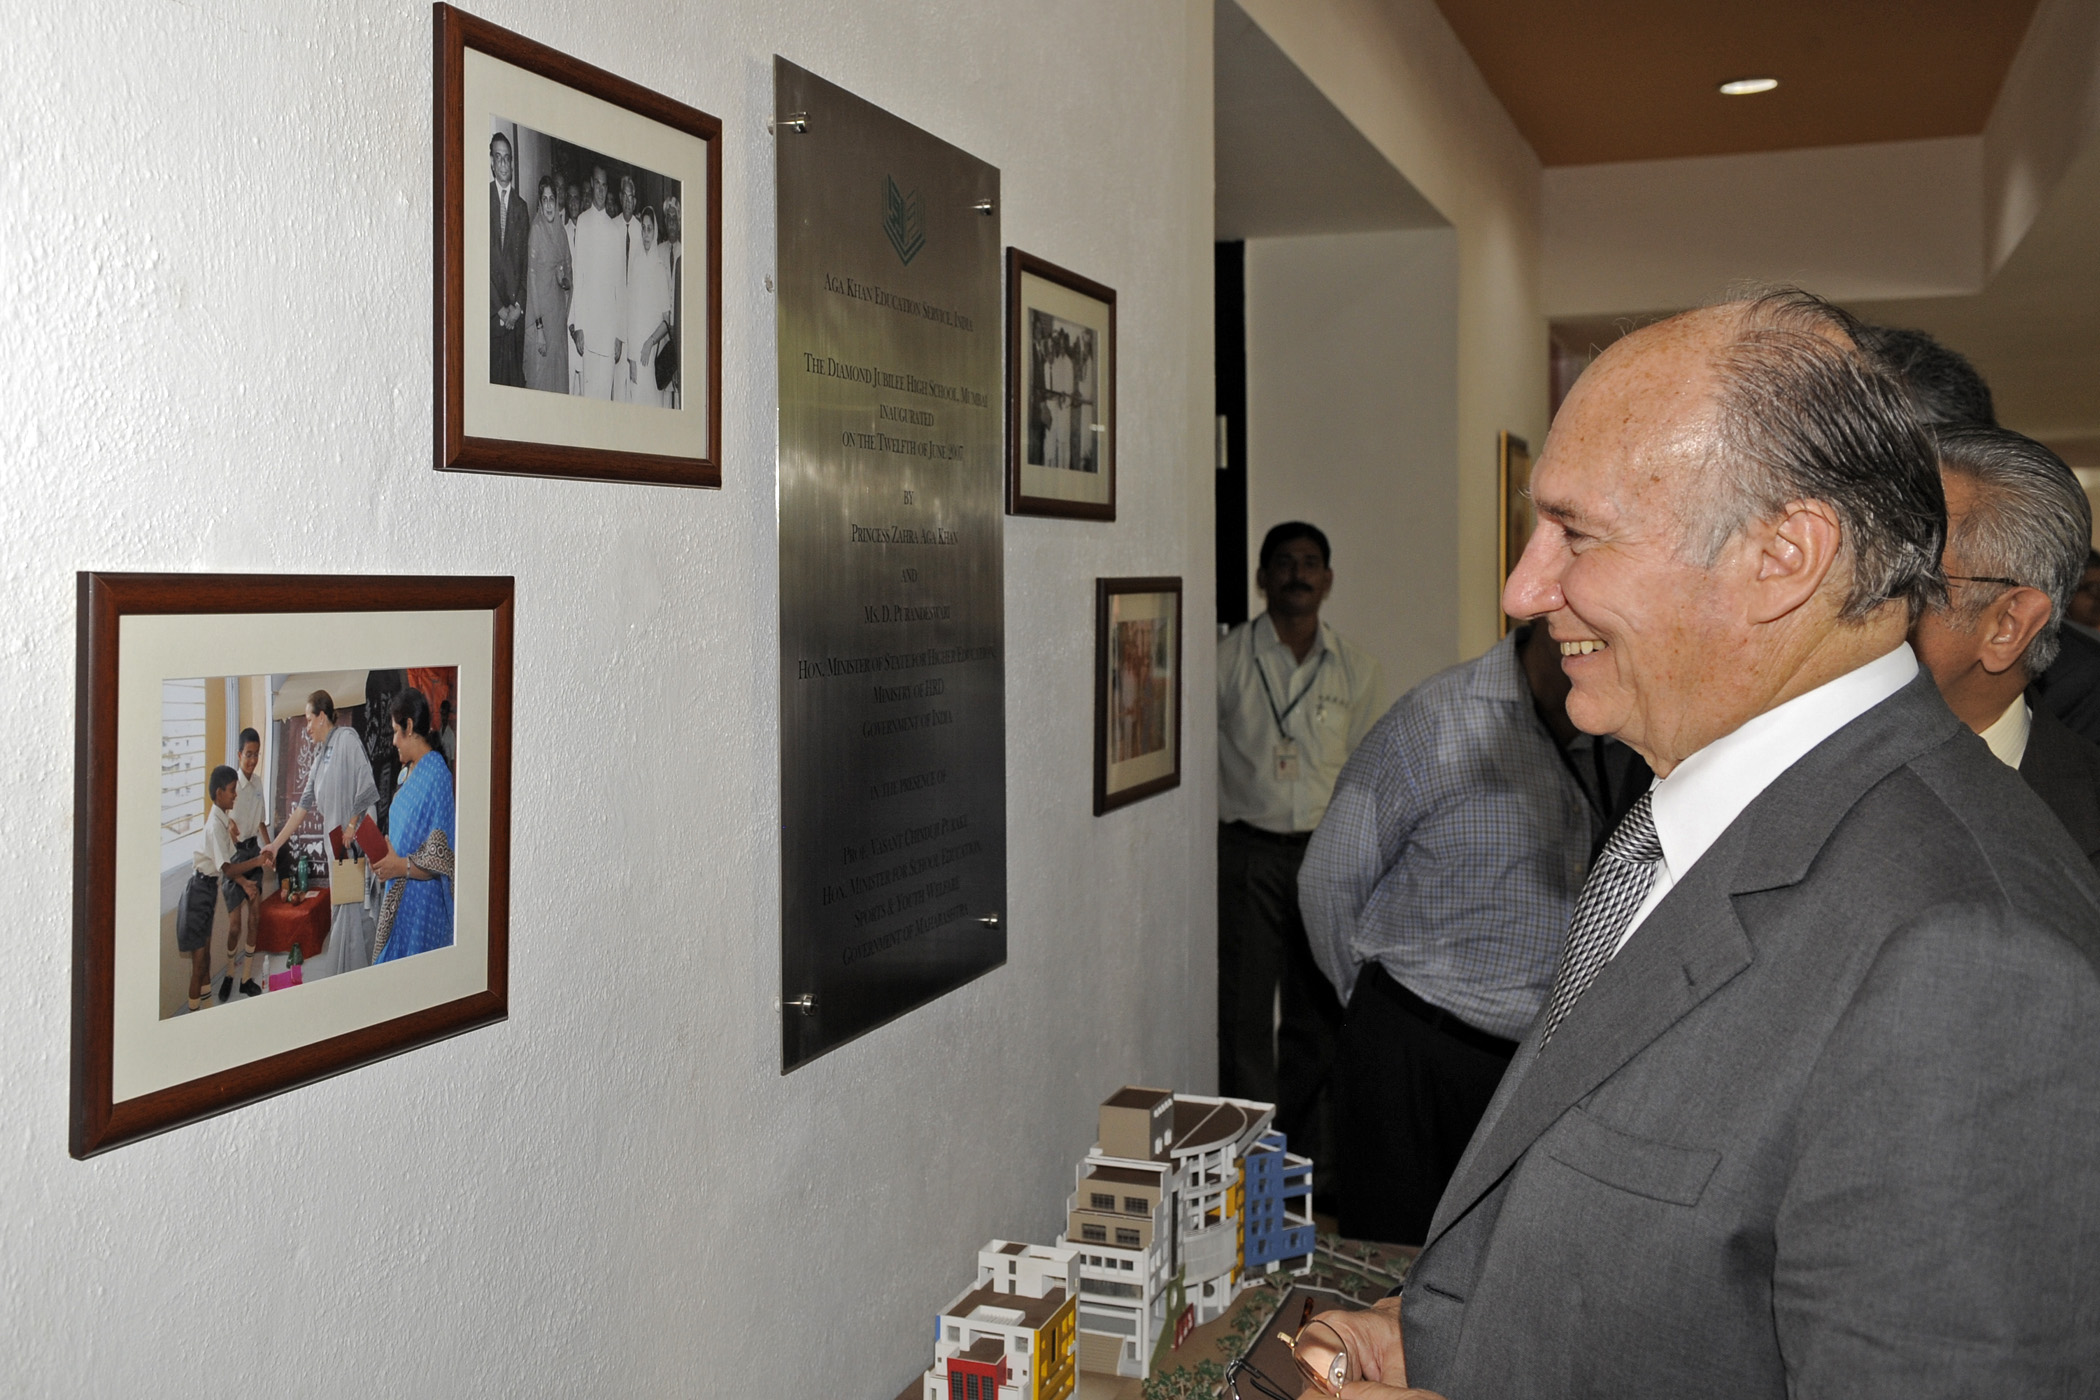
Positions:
{"x": 1289, "y": 163}
{"x": 1616, "y": 80}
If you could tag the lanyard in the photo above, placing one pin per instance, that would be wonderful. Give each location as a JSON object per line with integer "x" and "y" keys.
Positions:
{"x": 1267, "y": 694}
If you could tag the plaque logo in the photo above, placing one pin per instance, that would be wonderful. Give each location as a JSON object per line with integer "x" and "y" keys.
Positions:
{"x": 903, "y": 219}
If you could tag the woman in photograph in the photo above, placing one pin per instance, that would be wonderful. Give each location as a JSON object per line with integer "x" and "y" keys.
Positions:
{"x": 416, "y": 914}
{"x": 547, "y": 281}
{"x": 339, "y": 786}
{"x": 648, "y": 312}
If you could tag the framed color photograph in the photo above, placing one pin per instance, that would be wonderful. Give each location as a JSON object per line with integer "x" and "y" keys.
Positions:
{"x": 1137, "y": 689}
{"x": 291, "y": 840}
{"x": 1060, "y": 392}
{"x": 1513, "y": 458}
{"x": 579, "y": 268}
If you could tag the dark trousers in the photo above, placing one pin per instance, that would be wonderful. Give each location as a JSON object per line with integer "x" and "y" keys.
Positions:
{"x": 1411, "y": 1082}
{"x": 1261, "y": 949}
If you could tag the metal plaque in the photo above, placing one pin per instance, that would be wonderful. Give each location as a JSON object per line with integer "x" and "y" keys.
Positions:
{"x": 892, "y": 672}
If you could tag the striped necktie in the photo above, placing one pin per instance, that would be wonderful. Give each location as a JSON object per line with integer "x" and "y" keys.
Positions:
{"x": 1617, "y": 884}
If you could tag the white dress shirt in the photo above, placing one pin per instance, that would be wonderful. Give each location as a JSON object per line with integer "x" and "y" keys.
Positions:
{"x": 1328, "y": 702}
{"x": 2007, "y": 735}
{"x": 1709, "y": 790}
{"x": 248, "y": 806}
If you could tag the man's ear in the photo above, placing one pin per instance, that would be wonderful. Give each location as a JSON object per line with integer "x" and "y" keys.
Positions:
{"x": 2008, "y": 625}
{"x": 1795, "y": 554}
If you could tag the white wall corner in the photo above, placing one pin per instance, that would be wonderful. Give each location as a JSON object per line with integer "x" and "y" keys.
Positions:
{"x": 2047, "y": 112}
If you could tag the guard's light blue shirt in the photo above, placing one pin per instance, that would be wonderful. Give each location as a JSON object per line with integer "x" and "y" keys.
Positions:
{"x": 1328, "y": 702}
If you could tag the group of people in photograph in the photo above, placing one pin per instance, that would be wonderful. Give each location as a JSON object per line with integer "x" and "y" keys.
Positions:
{"x": 406, "y": 905}
{"x": 583, "y": 286}
{"x": 1063, "y": 400}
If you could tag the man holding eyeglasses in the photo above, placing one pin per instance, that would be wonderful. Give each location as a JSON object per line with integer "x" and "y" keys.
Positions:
{"x": 2018, "y": 526}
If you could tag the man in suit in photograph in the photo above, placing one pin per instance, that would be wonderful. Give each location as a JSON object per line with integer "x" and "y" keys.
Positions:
{"x": 509, "y": 225}
{"x": 2018, "y": 524}
{"x": 1810, "y": 1109}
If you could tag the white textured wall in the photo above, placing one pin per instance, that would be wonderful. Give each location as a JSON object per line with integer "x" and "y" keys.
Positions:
{"x": 217, "y": 257}
{"x": 1352, "y": 421}
{"x": 1396, "y": 70}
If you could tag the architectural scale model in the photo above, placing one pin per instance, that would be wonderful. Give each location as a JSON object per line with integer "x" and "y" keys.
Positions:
{"x": 1010, "y": 1335}
{"x": 1182, "y": 1204}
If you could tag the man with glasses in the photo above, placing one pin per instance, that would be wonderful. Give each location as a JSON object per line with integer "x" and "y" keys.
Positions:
{"x": 1294, "y": 699}
{"x": 2018, "y": 526}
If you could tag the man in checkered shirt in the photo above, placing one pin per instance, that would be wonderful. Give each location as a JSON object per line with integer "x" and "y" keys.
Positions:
{"x": 1436, "y": 896}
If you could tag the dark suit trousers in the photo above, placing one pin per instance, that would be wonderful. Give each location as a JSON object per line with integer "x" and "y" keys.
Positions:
{"x": 1411, "y": 1082}
{"x": 1261, "y": 950}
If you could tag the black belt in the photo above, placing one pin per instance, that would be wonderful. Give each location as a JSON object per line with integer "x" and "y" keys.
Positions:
{"x": 1276, "y": 838}
{"x": 1376, "y": 979}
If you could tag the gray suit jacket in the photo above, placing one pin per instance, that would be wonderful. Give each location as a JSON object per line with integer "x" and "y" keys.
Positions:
{"x": 1828, "y": 1126}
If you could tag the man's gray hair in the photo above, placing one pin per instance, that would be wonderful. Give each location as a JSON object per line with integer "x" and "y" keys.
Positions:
{"x": 2030, "y": 520}
{"x": 1802, "y": 413}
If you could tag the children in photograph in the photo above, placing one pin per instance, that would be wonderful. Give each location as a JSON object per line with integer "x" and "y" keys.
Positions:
{"x": 248, "y": 818}
{"x": 219, "y": 877}
{"x": 416, "y": 914}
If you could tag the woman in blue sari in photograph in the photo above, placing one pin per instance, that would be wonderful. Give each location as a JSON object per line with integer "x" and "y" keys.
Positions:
{"x": 416, "y": 914}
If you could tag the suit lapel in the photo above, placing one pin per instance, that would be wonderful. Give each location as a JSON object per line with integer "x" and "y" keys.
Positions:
{"x": 1693, "y": 944}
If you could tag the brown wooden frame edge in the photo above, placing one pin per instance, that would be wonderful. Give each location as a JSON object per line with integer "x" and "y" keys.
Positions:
{"x": 456, "y": 32}
{"x": 103, "y": 598}
{"x": 1104, "y": 589}
{"x": 1018, "y": 503}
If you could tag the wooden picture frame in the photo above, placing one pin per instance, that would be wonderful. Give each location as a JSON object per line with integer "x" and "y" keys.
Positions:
{"x": 1137, "y": 711}
{"x": 503, "y": 402}
{"x": 1061, "y": 400}
{"x": 1518, "y": 519}
{"x": 172, "y": 669}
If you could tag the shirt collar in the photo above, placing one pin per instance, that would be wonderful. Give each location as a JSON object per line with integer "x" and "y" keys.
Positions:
{"x": 2007, "y": 735}
{"x": 1265, "y": 639}
{"x": 1709, "y": 790}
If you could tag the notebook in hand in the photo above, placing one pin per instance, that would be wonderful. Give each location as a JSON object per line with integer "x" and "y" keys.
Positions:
{"x": 370, "y": 841}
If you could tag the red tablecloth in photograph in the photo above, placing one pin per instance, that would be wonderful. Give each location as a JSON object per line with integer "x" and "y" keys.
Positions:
{"x": 304, "y": 923}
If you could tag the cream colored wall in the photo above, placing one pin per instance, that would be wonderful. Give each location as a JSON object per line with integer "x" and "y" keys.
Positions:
{"x": 1396, "y": 70}
{"x": 1893, "y": 219}
{"x": 1352, "y": 424}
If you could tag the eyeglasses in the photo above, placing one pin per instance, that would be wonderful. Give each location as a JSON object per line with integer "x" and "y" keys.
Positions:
{"x": 1974, "y": 578}
{"x": 1322, "y": 1357}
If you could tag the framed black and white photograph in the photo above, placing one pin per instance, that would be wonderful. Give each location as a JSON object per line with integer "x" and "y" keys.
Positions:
{"x": 291, "y": 834}
{"x": 1060, "y": 391}
{"x": 1513, "y": 472}
{"x": 589, "y": 209}
{"x": 1137, "y": 689}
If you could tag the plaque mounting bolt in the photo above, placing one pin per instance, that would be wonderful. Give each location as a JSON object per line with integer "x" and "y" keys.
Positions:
{"x": 806, "y": 1004}
{"x": 989, "y": 920}
{"x": 984, "y": 207}
{"x": 797, "y": 122}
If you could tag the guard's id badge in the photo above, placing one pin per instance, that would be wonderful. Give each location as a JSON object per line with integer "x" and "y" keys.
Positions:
{"x": 1287, "y": 761}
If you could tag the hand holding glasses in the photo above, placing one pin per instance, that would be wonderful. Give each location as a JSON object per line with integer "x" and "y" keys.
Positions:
{"x": 1321, "y": 1354}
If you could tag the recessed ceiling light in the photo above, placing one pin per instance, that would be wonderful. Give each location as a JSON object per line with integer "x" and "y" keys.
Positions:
{"x": 1743, "y": 87}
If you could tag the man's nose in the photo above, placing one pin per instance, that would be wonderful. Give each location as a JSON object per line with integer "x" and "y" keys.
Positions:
{"x": 1534, "y": 585}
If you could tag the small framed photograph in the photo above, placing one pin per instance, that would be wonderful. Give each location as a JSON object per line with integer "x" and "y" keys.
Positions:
{"x": 590, "y": 209}
{"x": 1513, "y": 468}
{"x": 1137, "y": 689}
{"x": 1060, "y": 392}
{"x": 291, "y": 839}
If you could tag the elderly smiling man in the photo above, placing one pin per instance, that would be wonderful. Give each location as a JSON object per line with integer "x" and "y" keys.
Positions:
{"x": 1814, "y": 1105}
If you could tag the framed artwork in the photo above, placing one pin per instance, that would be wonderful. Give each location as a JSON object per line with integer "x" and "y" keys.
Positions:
{"x": 291, "y": 834}
{"x": 1137, "y": 689}
{"x": 590, "y": 208}
{"x": 1060, "y": 392}
{"x": 1513, "y": 468}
